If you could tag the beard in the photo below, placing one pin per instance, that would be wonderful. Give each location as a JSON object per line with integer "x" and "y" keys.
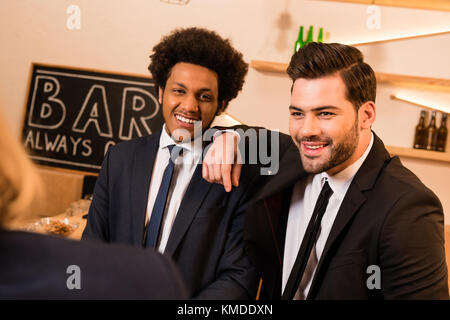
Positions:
{"x": 339, "y": 151}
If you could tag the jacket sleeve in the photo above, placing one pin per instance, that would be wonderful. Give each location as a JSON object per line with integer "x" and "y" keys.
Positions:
{"x": 97, "y": 220}
{"x": 412, "y": 250}
{"x": 236, "y": 276}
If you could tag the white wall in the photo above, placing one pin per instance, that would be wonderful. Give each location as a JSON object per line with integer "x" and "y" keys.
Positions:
{"x": 117, "y": 35}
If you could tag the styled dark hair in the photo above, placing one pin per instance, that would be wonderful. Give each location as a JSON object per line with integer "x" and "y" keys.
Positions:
{"x": 204, "y": 48}
{"x": 317, "y": 60}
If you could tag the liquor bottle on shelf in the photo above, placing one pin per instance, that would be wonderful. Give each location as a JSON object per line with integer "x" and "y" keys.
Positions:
{"x": 419, "y": 137}
{"x": 442, "y": 134}
{"x": 431, "y": 133}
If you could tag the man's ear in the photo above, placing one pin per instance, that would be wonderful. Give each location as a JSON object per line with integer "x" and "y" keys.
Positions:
{"x": 367, "y": 114}
{"x": 160, "y": 94}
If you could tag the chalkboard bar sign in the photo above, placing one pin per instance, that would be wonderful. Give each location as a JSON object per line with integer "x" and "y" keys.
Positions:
{"x": 73, "y": 116}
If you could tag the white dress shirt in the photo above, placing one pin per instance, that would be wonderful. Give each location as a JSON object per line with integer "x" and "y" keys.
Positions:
{"x": 303, "y": 201}
{"x": 184, "y": 168}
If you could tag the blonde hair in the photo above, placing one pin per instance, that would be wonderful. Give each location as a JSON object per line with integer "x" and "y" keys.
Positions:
{"x": 19, "y": 180}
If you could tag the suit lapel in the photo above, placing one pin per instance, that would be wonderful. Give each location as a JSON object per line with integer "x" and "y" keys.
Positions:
{"x": 195, "y": 194}
{"x": 364, "y": 180}
{"x": 144, "y": 159}
{"x": 290, "y": 172}
{"x": 276, "y": 210}
{"x": 270, "y": 211}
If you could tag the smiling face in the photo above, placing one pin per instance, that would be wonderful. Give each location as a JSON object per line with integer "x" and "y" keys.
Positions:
{"x": 329, "y": 133}
{"x": 190, "y": 95}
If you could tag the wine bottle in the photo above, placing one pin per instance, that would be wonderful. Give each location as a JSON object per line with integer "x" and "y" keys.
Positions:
{"x": 431, "y": 133}
{"x": 442, "y": 134}
{"x": 419, "y": 137}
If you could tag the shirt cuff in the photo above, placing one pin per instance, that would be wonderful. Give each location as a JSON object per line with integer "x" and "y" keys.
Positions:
{"x": 219, "y": 132}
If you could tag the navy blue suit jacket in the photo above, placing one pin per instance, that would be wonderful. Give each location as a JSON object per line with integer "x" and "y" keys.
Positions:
{"x": 206, "y": 237}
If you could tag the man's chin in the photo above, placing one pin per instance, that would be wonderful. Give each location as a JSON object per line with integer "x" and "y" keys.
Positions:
{"x": 313, "y": 166}
{"x": 182, "y": 135}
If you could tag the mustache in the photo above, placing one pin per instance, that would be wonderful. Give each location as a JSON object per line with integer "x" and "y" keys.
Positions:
{"x": 326, "y": 140}
{"x": 188, "y": 114}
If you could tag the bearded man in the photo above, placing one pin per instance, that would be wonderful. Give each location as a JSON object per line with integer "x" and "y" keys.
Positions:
{"x": 342, "y": 219}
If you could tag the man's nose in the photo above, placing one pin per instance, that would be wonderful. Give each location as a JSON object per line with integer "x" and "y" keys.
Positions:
{"x": 190, "y": 103}
{"x": 311, "y": 126}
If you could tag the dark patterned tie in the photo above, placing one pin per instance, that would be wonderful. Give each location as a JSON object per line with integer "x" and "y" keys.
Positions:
{"x": 154, "y": 225}
{"x": 309, "y": 271}
{"x": 306, "y": 249}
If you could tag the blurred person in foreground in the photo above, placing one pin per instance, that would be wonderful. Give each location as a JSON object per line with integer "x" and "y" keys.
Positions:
{"x": 37, "y": 266}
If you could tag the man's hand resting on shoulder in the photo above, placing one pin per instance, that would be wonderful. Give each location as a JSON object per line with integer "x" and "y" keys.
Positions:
{"x": 223, "y": 163}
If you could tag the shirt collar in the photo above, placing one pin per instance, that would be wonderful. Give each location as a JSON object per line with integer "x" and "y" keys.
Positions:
{"x": 193, "y": 148}
{"x": 340, "y": 182}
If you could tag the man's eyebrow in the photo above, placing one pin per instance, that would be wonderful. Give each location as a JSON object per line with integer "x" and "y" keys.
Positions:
{"x": 315, "y": 109}
{"x": 181, "y": 85}
{"x": 325, "y": 108}
{"x": 205, "y": 89}
{"x": 200, "y": 90}
{"x": 295, "y": 108}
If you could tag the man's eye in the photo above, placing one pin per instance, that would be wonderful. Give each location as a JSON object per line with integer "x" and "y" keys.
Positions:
{"x": 205, "y": 97}
{"x": 326, "y": 114}
{"x": 296, "y": 114}
{"x": 178, "y": 91}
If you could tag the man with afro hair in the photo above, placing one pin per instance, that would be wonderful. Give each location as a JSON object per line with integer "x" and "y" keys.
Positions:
{"x": 195, "y": 222}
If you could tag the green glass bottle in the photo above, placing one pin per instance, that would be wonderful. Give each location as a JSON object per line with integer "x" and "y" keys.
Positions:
{"x": 310, "y": 35}
{"x": 320, "y": 37}
{"x": 299, "y": 43}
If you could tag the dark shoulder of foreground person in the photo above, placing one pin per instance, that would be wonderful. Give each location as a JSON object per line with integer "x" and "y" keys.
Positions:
{"x": 44, "y": 267}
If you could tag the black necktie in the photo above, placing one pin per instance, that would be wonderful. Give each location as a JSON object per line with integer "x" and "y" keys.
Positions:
{"x": 308, "y": 243}
{"x": 154, "y": 225}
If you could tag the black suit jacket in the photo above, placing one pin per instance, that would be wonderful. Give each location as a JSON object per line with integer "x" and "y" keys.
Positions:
{"x": 388, "y": 218}
{"x": 206, "y": 237}
{"x": 36, "y": 267}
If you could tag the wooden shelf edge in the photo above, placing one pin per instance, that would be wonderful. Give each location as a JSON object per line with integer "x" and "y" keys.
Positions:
{"x": 440, "y": 5}
{"x": 419, "y": 154}
{"x": 422, "y": 106}
{"x": 426, "y": 83}
{"x": 399, "y": 38}
{"x": 268, "y": 66}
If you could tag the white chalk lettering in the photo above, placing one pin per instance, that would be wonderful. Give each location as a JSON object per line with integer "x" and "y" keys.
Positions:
{"x": 46, "y": 111}
{"x": 94, "y": 110}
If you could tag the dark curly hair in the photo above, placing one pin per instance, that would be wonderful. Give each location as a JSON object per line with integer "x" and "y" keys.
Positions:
{"x": 205, "y": 48}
